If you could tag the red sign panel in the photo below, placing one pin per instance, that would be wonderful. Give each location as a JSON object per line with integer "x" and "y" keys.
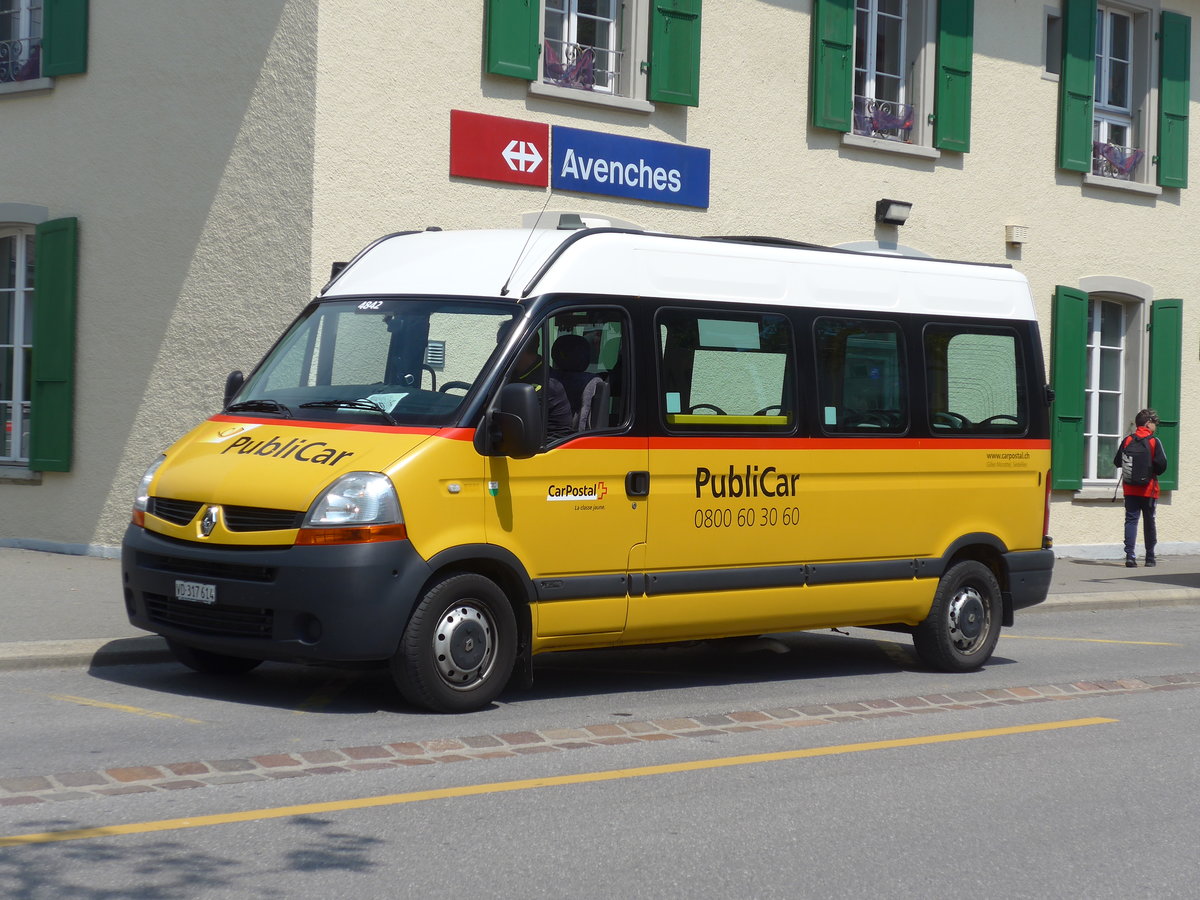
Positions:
{"x": 498, "y": 149}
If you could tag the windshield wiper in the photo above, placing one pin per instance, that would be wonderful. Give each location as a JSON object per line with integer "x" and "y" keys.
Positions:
{"x": 364, "y": 404}
{"x": 267, "y": 406}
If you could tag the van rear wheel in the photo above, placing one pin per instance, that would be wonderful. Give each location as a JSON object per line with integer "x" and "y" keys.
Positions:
{"x": 458, "y": 650}
{"x": 210, "y": 663}
{"x": 963, "y": 624}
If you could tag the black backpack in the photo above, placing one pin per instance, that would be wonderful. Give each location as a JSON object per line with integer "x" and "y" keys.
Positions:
{"x": 1137, "y": 460}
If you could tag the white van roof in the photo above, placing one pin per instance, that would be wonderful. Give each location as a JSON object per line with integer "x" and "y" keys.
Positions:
{"x": 520, "y": 263}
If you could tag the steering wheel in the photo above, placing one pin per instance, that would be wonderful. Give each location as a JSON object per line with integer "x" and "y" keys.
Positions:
{"x": 953, "y": 419}
{"x": 766, "y": 410}
{"x": 867, "y": 419}
{"x": 1003, "y": 417}
{"x": 700, "y": 406}
{"x": 455, "y": 386}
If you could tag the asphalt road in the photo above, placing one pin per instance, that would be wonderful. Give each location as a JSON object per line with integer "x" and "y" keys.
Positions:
{"x": 813, "y": 765}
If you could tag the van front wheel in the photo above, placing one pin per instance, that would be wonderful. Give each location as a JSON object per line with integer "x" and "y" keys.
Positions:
{"x": 963, "y": 625}
{"x": 458, "y": 650}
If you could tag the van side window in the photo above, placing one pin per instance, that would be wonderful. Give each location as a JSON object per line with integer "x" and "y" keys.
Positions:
{"x": 589, "y": 357}
{"x": 976, "y": 380}
{"x": 726, "y": 371}
{"x": 861, "y": 376}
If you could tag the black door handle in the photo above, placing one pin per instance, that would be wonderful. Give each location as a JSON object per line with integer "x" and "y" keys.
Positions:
{"x": 637, "y": 484}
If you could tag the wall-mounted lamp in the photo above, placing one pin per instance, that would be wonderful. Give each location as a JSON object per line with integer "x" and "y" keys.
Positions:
{"x": 892, "y": 212}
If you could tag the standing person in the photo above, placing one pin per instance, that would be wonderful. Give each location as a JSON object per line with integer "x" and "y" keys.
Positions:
{"x": 1141, "y": 489}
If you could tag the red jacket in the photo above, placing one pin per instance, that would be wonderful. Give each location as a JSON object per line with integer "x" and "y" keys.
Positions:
{"x": 1158, "y": 463}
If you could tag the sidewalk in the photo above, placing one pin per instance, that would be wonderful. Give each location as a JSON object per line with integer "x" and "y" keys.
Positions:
{"x": 58, "y": 610}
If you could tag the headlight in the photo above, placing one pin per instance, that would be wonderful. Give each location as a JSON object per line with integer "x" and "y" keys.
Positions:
{"x": 360, "y": 498}
{"x": 142, "y": 500}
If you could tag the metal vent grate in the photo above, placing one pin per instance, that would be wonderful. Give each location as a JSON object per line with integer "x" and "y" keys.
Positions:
{"x": 435, "y": 354}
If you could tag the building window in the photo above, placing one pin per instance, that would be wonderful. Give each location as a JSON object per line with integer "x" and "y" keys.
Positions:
{"x": 1113, "y": 56}
{"x": 1105, "y": 386}
{"x": 894, "y": 70}
{"x": 20, "y": 40}
{"x": 1118, "y": 150}
{"x": 1052, "y": 47}
{"x": 1106, "y": 364}
{"x": 16, "y": 341}
{"x": 603, "y": 50}
{"x": 881, "y": 90}
{"x": 584, "y": 46}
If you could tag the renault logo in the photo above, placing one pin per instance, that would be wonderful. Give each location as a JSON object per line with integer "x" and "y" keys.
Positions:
{"x": 209, "y": 522}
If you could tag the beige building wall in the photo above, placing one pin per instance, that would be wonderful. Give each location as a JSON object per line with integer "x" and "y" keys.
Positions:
{"x": 220, "y": 162}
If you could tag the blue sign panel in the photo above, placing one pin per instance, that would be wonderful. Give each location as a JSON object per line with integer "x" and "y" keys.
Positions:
{"x": 596, "y": 163}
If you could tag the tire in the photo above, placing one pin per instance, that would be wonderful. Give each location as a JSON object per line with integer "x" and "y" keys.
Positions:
{"x": 210, "y": 663}
{"x": 458, "y": 650}
{"x": 963, "y": 624}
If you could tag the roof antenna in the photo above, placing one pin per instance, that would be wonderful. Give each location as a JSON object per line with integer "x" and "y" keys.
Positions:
{"x": 525, "y": 246}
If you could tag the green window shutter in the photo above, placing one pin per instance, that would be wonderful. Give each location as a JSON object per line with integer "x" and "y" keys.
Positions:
{"x": 514, "y": 30}
{"x": 1068, "y": 367}
{"x": 675, "y": 52}
{"x": 64, "y": 37}
{"x": 51, "y": 396}
{"x": 952, "y": 97}
{"x": 1166, "y": 358}
{"x": 1174, "y": 86}
{"x": 831, "y": 80}
{"x": 1076, "y": 85}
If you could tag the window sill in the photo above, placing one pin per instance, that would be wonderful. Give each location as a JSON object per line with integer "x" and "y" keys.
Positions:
{"x": 553, "y": 92}
{"x": 19, "y": 475}
{"x": 1097, "y": 493}
{"x": 27, "y": 87}
{"x": 897, "y": 147}
{"x": 1115, "y": 184}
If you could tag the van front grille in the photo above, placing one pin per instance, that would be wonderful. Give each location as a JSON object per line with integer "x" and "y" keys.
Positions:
{"x": 177, "y": 512}
{"x": 253, "y": 518}
{"x": 230, "y": 621}
{"x": 237, "y": 518}
{"x": 174, "y": 565}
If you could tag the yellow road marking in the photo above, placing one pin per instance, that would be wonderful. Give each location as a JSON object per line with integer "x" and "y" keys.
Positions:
{"x": 895, "y": 652}
{"x": 1035, "y": 637}
{"x": 326, "y": 694}
{"x": 499, "y": 787}
{"x": 137, "y": 711}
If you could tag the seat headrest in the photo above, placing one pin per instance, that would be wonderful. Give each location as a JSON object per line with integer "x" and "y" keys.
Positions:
{"x": 571, "y": 353}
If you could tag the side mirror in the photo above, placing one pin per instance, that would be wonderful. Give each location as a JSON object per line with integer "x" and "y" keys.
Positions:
{"x": 233, "y": 383}
{"x": 513, "y": 426}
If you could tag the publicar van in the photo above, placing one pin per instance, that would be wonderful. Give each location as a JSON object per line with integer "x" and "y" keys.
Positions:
{"x": 477, "y": 446}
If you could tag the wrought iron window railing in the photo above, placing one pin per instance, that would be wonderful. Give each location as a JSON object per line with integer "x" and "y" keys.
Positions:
{"x": 1114, "y": 161}
{"x": 580, "y": 66}
{"x": 20, "y": 59}
{"x": 885, "y": 119}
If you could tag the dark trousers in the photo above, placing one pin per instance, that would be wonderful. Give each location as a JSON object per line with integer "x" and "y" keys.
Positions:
{"x": 1143, "y": 507}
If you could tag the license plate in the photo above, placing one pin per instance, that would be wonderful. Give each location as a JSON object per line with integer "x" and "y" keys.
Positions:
{"x": 196, "y": 592}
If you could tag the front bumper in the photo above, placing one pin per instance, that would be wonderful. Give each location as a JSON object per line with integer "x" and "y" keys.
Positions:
{"x": 342, "y": 603}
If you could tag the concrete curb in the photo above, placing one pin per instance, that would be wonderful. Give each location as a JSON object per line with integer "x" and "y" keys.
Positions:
{"x": 94, "y": 652}
{"x": 1116, "y": 600}
{"x": 82, "y": 653}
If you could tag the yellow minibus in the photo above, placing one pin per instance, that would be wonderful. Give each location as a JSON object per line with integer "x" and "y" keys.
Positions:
{"x": 473, "y": 447}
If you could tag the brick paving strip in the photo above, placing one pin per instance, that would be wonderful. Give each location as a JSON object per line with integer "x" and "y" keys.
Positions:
{"x": 40, "y": 789}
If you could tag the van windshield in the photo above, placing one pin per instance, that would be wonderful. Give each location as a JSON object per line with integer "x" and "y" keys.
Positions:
{"x": 397, "y": 361}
